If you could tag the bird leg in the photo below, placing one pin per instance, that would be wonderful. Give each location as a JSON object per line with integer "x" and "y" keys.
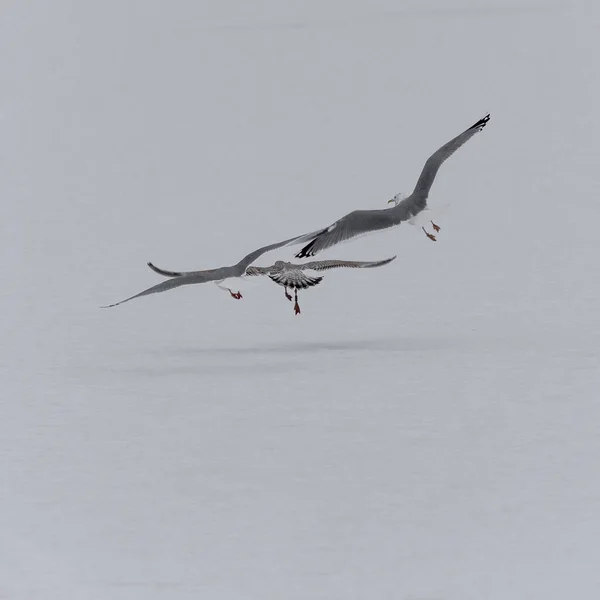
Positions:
{"x": 429, "y": 235}
{"x": 436, "y": 227}
{"x": 287, "y": 295}
{"x": 236, "y": 295}
{"x": 296, "y": 305}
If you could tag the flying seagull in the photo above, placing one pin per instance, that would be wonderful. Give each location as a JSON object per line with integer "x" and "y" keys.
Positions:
{"x": 290, "y": 275}
{"x": 361, "y": 222}
{"x": 177, "y": 278}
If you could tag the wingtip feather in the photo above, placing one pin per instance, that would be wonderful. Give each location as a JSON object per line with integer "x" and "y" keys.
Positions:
{"x": 306, "y": 252}
{"x": 481, "y": 123}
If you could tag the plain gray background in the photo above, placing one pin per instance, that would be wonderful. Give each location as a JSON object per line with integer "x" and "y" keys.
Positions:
{"x": 424, "y": 431}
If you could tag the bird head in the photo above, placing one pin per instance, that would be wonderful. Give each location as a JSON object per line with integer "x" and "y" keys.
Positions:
{"x": 398, "y": 198}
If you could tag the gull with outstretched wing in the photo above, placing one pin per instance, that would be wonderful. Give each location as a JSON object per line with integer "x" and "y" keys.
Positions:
{"x": 290, "y": 275}
{"x": 362, "y": 222}
{"x": 179, "y": 278}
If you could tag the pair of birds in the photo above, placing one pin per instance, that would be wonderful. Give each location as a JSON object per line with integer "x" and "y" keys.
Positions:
{"x": 354, "y": 224}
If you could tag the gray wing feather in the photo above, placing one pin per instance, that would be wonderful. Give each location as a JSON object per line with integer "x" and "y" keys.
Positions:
{"x": 323, "y": 265}
{"x": 435, "y": 161}
{"x": 166, "y": 273}
{"x": 252, "y": 271}
{"x": 169, "y": 285}
{"x": 354, "y": 224}
{"x": 293, "y": 276}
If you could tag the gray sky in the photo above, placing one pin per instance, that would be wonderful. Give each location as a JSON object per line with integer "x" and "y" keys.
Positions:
{"x": 423, "y": 431}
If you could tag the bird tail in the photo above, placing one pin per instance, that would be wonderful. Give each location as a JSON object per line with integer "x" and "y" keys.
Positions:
{"x": 309, "y": 281}
{"x": 299, "y": 281}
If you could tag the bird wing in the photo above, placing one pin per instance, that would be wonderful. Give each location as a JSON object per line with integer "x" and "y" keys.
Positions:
{"x": 294, "y": 278}
{"x": 241, "y": 266}
{"x": 361, "y": 222}
{"x": 323, "y": 265}
{"x": 354, "y": 224}
{"x": 198, "y": 277}
{"x": 250, "y": 258}
{"x": 435, "y": 161}
{"x": 251, "y": 271}
{"x": 169, "y": 273}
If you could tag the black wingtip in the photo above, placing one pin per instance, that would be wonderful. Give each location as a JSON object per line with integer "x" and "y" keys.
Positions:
{"x": 481, "y": 123}
{"x": 387, "y": 261}
{"x": 307, "y": 250}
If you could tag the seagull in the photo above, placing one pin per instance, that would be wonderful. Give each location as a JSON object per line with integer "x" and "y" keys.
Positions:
{"x": 361, "y": 222}
{"x": 179, "y": 278}
{"x": 290, "y": 275}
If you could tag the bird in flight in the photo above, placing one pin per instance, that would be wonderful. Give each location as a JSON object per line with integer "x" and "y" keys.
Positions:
{"x": 218, "y": 276}
{"x": 361, "y": 222}
{"x": 292, "y": 276}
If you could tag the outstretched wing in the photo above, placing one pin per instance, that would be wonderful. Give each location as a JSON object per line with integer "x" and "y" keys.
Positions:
{"x": 354, "y": 224}
{"x": 167, "y": 273}
{"x": 361, "y": 222}
{"x": 295, "y": 279}
{"x": 251, "y": 271}
{"x": 323, "y": 265}
{"x": 241, "y": 266}
{"x": 205, "y": 273}
{"x": 435, "y": 161}
{"x": 169, "y": 285}
{"x": 250, "y": 258}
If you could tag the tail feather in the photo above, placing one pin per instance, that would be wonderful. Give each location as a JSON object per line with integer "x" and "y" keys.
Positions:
{"x": 295, "y": 280}
{"x": 309, "y": 281}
